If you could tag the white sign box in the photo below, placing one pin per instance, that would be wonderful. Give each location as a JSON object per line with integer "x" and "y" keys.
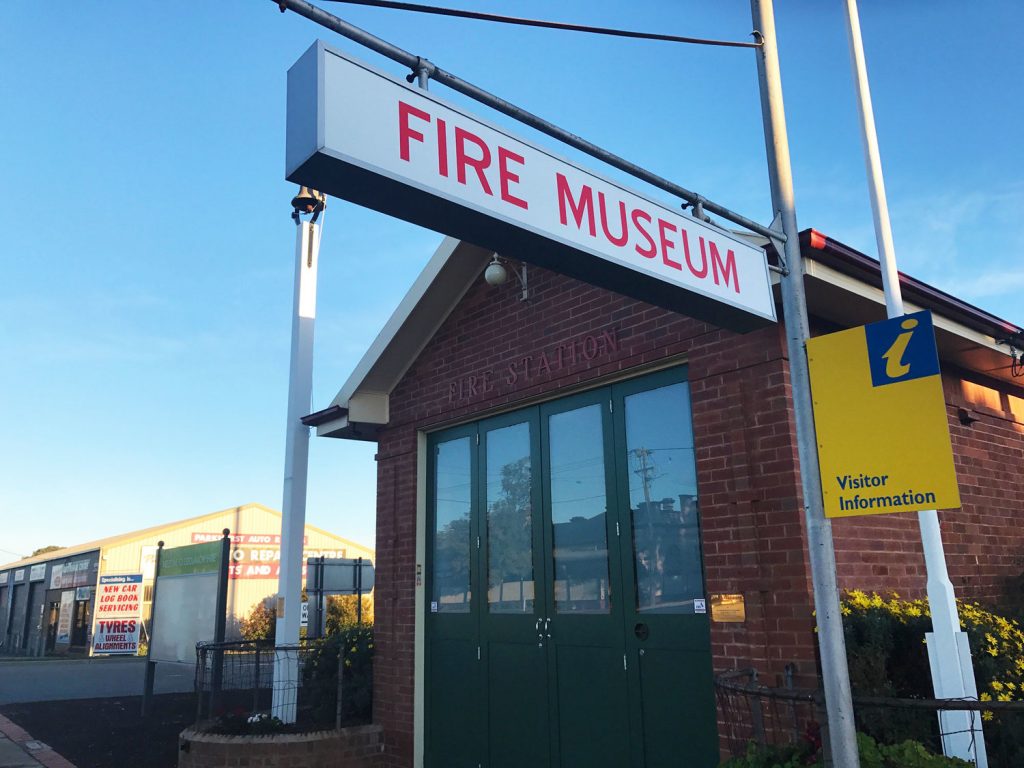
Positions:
{"x": 357, "y": 133}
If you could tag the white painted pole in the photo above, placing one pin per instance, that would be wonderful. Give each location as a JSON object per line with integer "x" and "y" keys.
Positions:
{"x": 296, "y": 463}
{"x": 948, "y": 650}
{"x": 831, "y": 643}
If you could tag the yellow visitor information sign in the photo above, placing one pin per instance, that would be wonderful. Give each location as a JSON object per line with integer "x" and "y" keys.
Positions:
{"x": 880, "y": 417}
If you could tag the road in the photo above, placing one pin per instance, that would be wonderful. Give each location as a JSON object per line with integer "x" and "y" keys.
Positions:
{"x": 53, "y": 680}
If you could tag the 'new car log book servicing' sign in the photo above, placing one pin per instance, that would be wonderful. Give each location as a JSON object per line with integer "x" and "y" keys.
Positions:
{"x": 880, "y": 417}
{"x": 359, "y": 134}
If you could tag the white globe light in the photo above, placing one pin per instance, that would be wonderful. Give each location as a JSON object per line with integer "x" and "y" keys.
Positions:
{"x": 495, "y": 274}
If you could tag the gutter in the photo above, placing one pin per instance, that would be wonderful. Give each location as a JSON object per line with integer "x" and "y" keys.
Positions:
{"x": 330, "y": 413}
{"x": 832, "y": 253}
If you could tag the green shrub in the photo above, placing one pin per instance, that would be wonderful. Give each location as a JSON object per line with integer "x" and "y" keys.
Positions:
{"x": 887, "y": 655}
{"x": 906, "y": 754}
{"x": 320, "y": 677}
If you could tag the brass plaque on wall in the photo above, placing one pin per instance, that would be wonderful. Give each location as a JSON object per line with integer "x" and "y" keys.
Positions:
{"x": 728, "y": 608}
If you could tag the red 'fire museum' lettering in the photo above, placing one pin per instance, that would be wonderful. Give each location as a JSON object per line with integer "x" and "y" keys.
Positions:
{"x": 580, "y": 208}
{"x": 472, "y": 152}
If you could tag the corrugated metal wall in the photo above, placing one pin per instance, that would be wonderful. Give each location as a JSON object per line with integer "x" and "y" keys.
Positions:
{"x": 256, "y": 551}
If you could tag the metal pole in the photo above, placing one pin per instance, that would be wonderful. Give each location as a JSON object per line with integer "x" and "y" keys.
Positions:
{"x": 318, "y": 575}
{"x": 256, "y": 678}
{"x": 293, "y": 508}
{"x": 948, "y": 650}
{"x": 316, "y": 599}
{"x": 221, "y": 619}
{"x": 359, "y": 592}
{"x": 835, "y": 674}
{"x": 147, "y": 686}
{"x": 424, "y": 69}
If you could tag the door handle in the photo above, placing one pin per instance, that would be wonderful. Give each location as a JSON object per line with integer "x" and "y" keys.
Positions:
{"x": 547, "y": 625}
{"x": 540, "y": 633}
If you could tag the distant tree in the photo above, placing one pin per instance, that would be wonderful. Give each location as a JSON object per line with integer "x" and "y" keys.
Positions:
{"x": 341, "y": 612}
{"x": 261, "y": 623}
{"x": 44, "y": 550}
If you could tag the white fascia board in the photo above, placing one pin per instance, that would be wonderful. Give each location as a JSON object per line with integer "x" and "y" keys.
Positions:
{"x": 368, "y": 408}
{"x": 333, "y": 427}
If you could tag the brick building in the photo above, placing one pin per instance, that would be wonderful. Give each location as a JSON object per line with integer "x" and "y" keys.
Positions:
{"x": 544, "y": 573}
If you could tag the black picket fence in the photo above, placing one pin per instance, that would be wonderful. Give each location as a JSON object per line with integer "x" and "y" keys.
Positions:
{"x": 236, "y": 684}
{"x": 776, "y": 716}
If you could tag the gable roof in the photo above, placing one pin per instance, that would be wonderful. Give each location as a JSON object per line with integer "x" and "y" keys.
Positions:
{"x": 843, "y": 287}
{"x": 361, "y": 404}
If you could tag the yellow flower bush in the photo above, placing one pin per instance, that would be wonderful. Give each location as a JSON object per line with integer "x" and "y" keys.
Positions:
{"x": 885, "y": 639}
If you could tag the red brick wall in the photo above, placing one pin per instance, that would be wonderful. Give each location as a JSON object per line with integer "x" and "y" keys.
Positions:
{"x": 357, "y": 747}
{"x": 752, "y": 517}
{"x": 984, "y": 541}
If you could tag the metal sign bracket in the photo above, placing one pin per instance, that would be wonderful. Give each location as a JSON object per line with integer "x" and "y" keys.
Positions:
{"x": 779, "y": 244}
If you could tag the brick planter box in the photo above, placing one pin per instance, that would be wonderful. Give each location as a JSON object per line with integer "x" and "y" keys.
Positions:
{"x": 358, "y": 747}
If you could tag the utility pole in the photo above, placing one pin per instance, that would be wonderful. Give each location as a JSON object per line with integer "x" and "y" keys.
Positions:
{"x": 948, "y": 650}
{"x": 834, "y": 671}
{"x": 296, "y": 462}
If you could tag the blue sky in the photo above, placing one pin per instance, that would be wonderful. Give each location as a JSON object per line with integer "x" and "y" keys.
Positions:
{"x": 146, "y": 250}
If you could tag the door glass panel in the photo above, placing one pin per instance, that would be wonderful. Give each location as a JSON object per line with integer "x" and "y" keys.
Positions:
{"x": 578, "y": 509}
{"x": 452, "y": 502}
{"x": 663, "y": 500}
{"x": 509, "y": 520}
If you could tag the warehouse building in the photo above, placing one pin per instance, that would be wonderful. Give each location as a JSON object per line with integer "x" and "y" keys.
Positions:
{"x": 47, "y": 603}
{"x": 588, "y": 504}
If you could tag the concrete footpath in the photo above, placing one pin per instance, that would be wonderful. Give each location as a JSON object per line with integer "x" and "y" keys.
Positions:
{"x": 19, "y": 750}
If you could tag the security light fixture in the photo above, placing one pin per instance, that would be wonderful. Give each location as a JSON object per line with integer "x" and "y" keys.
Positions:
{"x": 1016, "y": 345}
{"x": 497, "y": 274}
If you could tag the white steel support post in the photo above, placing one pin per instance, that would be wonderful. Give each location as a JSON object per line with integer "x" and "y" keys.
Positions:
{"x": 296, "y": 463}
{"x": 948, "y": 650}
{"x": 835, "y": 674}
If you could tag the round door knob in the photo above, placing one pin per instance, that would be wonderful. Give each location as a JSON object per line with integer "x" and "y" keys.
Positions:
{"x": 642, "y": 631}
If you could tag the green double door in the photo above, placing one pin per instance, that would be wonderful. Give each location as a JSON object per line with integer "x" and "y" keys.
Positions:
{"x": 565, "y": 625}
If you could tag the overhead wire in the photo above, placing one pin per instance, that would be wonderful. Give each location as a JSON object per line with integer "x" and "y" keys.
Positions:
{"x": 545, "y": 24}
{"x": 425, "y": 69}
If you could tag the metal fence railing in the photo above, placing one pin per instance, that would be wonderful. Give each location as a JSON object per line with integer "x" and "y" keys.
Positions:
{"x": 785, "y": 715}
{"x": 235, "y": 683}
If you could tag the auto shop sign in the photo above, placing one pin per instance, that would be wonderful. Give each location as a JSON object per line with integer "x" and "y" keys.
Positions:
{"x": 258, "y": 555}
{"x": 117, "y": 617}
{"x": 357, "y": 133}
